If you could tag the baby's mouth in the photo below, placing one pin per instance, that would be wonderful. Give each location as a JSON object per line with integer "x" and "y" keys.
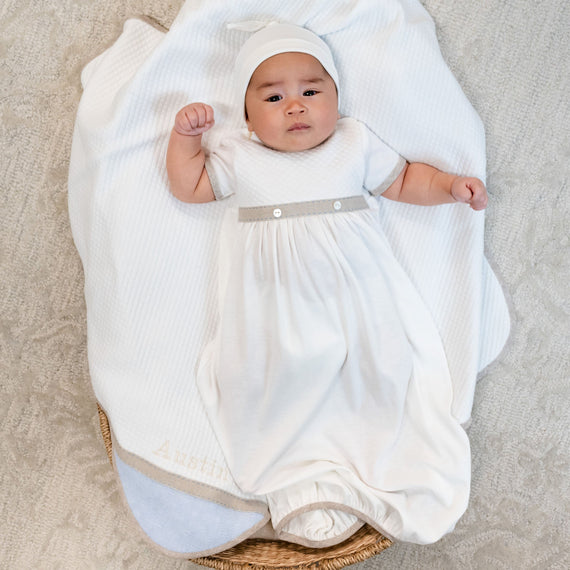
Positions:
{"x": 298, "y": 127}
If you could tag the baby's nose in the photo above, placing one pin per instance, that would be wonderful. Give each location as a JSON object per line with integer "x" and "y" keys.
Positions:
{"x": 295, "y": 107}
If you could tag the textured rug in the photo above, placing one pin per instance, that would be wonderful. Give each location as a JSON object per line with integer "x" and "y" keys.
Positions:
{"x": 59, "y": 502}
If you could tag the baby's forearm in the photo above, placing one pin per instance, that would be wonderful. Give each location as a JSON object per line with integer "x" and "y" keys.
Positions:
{"x": 185, "y": 158}
{"x": 426, "y": 186}
{"x": 185, "y": 165}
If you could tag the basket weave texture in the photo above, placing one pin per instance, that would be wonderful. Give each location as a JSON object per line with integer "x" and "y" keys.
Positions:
{"x": 258, "y": 554}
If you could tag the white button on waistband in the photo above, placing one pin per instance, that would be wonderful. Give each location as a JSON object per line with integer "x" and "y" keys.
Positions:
{"x": 277, "y": 213}
{"x": 337, "y": 205}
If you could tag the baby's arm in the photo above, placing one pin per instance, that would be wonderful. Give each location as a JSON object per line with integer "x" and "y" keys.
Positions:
{"x": 427, "y": 186}
{"x": 185, "y": 157}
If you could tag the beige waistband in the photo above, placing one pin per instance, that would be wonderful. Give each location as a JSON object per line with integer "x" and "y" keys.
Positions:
{"x": 277, "y": 211}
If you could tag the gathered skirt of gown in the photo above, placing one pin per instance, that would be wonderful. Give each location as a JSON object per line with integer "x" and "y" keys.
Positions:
{"x": 326, "y": 382}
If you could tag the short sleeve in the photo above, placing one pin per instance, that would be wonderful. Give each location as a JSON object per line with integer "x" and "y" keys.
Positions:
{"x": 219, "y": 165}
{"x": 383, "y": 164}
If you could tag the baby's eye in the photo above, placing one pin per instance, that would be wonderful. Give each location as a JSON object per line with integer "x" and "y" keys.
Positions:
{"x": 310, "y": 92}
{"x": 274, "y": 98}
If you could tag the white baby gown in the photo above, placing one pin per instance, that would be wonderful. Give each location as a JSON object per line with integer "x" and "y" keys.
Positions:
{"x": 326, "y": 382}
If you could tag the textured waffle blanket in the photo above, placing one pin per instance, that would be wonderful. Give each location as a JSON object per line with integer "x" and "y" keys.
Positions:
{"x": 151, "y": 277}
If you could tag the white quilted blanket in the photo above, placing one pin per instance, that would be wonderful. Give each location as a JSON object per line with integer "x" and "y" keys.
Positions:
{"x": 150, "y": 282}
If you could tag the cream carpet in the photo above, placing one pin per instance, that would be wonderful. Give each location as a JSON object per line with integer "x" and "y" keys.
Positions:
{"x": 59, "y": 503}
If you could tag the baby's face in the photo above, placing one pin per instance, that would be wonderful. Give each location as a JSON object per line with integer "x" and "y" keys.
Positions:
{"x": 291, "y": 102}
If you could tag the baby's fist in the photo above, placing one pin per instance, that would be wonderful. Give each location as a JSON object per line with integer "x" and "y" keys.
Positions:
{"x": 470, "y": 191}
{"x": 194, "y": 119}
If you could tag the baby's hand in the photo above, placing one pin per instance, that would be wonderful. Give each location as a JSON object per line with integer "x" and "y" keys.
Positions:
{"x": 470, "y": 191}
{"x": 194, "y": 119}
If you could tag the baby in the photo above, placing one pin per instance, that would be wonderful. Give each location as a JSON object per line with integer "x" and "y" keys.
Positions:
{"x": 326, "y": 373}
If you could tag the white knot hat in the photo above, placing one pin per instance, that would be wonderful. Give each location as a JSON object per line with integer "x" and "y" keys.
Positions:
{"x": 274, "y": 38}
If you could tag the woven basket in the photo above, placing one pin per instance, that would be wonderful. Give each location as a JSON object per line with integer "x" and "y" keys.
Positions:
{"x": 257, "y": 554}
